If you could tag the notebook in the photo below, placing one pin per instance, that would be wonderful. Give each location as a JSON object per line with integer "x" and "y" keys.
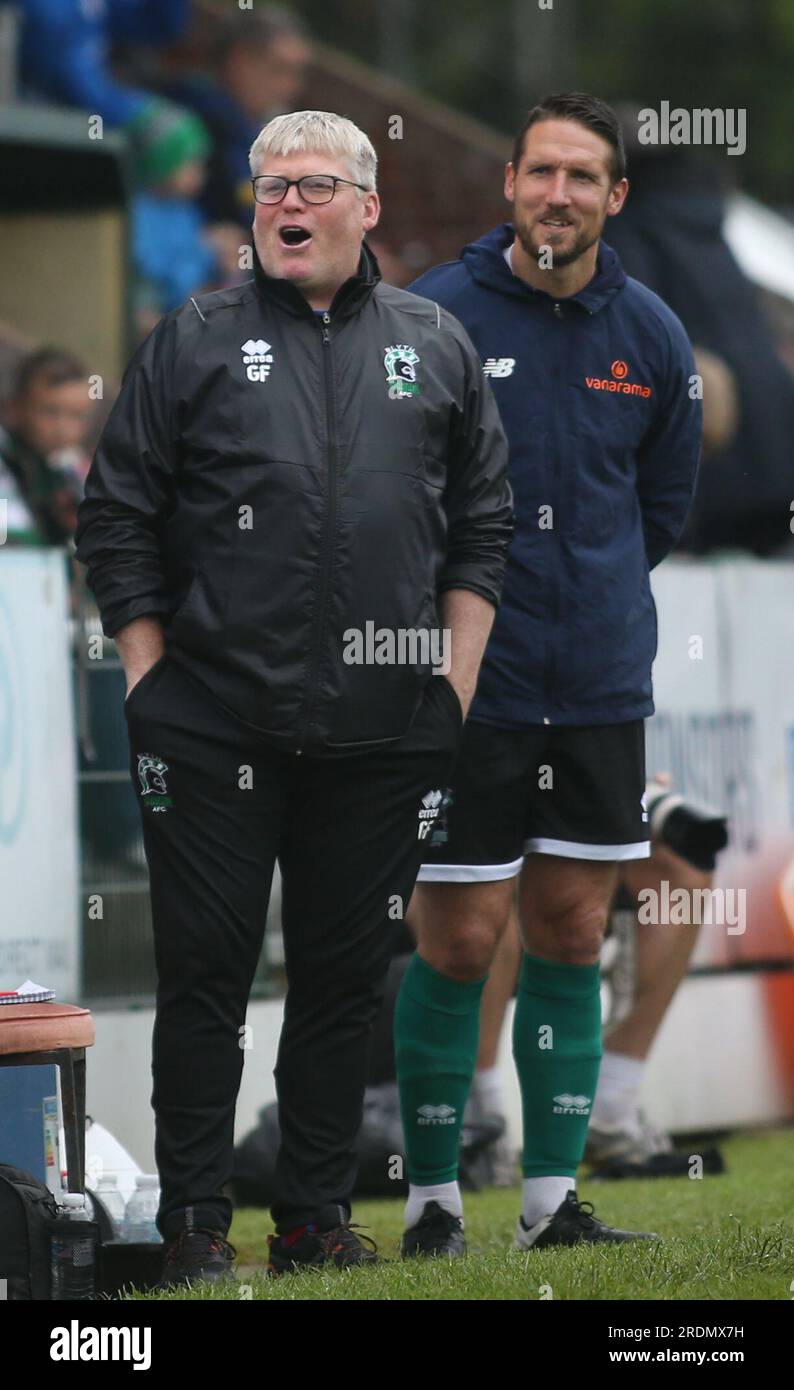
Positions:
{"x": 28, "y": 993}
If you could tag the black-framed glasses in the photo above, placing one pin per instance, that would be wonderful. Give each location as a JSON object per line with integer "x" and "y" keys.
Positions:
{"x": 313, "y": 188}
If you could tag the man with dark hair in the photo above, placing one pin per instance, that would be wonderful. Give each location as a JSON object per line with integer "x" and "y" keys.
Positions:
{"x": 259, "y": 59}
{"x": 589, "y": 111}
{"x": 41, "y": 458}
{"x": 592, "y": 374}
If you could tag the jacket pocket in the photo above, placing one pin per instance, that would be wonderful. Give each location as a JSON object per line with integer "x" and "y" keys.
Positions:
{"x": 452, "y": 696}
{"x": 144, "y": 680}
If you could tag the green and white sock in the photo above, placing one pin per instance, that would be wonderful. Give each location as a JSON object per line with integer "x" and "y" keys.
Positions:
{"x": 557, "y": 1049}
{"x": 436, "y": 1034}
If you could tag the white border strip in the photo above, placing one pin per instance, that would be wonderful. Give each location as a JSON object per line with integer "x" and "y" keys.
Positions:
{"x": 569, "y": 849}
{"x": 468, "y": 873}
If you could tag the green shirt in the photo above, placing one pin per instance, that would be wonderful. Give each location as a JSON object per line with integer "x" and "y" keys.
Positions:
{"x": 41, "y": 499}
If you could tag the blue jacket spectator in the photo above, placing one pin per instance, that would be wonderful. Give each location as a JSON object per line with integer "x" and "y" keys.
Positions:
{"x": 257, "y": 71}
{"x": 64, "y": 48}
{"x": 227, "y": 195}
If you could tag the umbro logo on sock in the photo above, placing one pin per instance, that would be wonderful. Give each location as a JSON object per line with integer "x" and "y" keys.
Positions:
{"x": 572, "y": 1105}
{"x": 436, "y": 1115}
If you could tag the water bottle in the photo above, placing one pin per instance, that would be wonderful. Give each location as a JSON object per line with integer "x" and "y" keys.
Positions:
{"x": 140, "y": 1223}
{"x": 107, "y": 1191}
{"x": 73, "y": 1250}
{"x": 89, "y": 1204}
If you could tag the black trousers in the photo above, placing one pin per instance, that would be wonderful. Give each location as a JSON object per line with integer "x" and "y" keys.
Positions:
{"x": 218, "y": 807}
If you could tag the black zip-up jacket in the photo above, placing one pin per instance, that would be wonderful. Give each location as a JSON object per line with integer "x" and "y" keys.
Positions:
{"x": 270, "y": 481}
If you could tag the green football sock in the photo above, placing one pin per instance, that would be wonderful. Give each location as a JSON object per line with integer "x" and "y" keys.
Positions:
{"x": 436, "y": 1034}
{"x": 557, "y": 1050}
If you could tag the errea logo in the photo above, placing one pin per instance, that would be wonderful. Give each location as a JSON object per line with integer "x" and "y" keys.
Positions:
{"x": 567, "y": 1104}
{"x": 257, "y": 359}
{"x": 499, "y": 366}
{"x": 436, "y": 1115}
{"x": 428, "y": 812}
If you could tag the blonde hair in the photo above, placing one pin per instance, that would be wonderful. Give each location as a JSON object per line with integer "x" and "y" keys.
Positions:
{"x": 317, "y": 130}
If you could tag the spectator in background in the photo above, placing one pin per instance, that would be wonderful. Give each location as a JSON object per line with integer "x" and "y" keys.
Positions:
{"x": 173, "y": 255}
{"x": 43, "y": 462}
{"x": 259, "y": 61}
{"x": 64, "y": 52}
{"x": 669, "y": 236}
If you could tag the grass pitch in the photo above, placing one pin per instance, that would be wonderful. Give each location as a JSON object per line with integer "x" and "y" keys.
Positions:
{"x": 724, "y": 1237}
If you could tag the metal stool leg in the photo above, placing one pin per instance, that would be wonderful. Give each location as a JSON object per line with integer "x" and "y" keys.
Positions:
{"x": 71, "y": 1062}
{"x": 78, "y": 1062}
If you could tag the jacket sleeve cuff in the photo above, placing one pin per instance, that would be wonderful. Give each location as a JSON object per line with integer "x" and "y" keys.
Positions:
{"x": 462, "y": 578}
{"x": 116, "y": 617}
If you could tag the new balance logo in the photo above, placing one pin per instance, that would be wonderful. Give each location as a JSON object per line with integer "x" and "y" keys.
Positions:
{"x": 436, "y": 1115}
{"x": 499, "y": 366}
{"x": 428, "y": 812}
{"x": 571, "y": 1105}
{"x": 257, "y": 359}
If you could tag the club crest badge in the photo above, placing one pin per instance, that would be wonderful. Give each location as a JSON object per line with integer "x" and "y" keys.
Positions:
{"x": 400, "y": 364}
{"x": 151, "y": 775}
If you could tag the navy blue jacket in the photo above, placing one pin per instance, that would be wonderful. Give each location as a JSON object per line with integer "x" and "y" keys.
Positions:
{"x": 594, "y": 392}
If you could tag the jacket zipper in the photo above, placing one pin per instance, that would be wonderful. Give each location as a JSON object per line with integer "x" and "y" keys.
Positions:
{"x": 330, "y": 416}
{"x": 551, "y": 659}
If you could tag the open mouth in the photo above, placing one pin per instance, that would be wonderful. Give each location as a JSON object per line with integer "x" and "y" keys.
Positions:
{"x": 294, "y": 236}
{"x": 555, "y": 223}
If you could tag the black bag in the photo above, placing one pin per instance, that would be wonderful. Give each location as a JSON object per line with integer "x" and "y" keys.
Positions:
{"x": 28, "y": 1211}
{"x": 379, "y": 1142}
{"x": 27, "y": 1214}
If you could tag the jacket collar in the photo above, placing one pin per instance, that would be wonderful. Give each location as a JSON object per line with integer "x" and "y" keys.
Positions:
{"x": 349, "y": 298}
{"x": 484, "y": 259}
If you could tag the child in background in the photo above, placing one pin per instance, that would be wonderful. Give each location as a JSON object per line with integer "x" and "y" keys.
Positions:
{"x": 173, "y": 255}
{"x": 43, "y": 461}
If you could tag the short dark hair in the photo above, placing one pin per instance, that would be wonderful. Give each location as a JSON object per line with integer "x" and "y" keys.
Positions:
{"x": 53, "y": 366}
{"x": 260, "y": 29}
{"x": 588, "y": 111}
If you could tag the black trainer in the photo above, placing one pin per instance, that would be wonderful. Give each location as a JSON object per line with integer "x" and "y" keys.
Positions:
{"x": 196, "y": 1253}
{"x": 437, "y": 1232}
{"x": 572, "y": 1222}
{"x": 306, "y": 1247}
{"x": 677, "y": 1164}
{"x": 634, "y": 1148}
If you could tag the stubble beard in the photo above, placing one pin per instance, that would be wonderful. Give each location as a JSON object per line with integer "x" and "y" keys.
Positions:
{"x": 581, "y": 245}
